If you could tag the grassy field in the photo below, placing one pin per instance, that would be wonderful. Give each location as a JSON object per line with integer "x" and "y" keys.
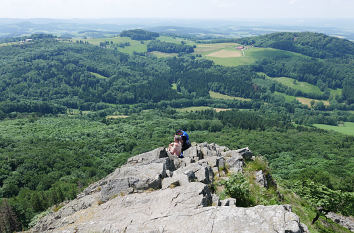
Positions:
{"x": 216, "y": 95}
{"x": 347, "y": 128}
{"x": 297, "y": 85}
{"x": 224, "y": 54}
{"x": 176, "y": 40}
{"x": 135, "y": 46}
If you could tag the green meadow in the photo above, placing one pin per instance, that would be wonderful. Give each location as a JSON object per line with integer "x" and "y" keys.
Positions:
{"x": 297, "y": 85}
{"x": 345, "y": 128}
{"x": 135, "y": 46}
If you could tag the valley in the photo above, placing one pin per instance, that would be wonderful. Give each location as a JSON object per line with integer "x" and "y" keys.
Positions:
{"x": 73, "y": 110}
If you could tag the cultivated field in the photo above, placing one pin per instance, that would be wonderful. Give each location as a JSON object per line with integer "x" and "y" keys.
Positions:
{"x": 176, "y": 40}
{"x": 227, "y": 54}
{"x": 307, "y": 101}
{"x": 346, "y": 128}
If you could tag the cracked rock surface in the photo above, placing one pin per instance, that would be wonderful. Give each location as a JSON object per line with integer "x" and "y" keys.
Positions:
{"x": 157, "y": 192}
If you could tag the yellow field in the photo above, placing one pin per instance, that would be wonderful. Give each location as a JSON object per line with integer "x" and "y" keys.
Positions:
{"x": 307, "y": 101}
{"x": 222, "y": 109}
{"x": 116, "y": 117}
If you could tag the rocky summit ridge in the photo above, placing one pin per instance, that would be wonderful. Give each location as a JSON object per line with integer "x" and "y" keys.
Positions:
{"x": 158, "y": 192}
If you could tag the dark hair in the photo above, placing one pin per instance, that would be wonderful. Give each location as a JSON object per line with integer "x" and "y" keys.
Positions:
{"x": 178, "y": 131}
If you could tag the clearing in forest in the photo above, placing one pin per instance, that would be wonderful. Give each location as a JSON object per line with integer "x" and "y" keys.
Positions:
{"x": 194, "y": 108}
{"x": 345, "y": 128}
{"x": 217, "y": 95}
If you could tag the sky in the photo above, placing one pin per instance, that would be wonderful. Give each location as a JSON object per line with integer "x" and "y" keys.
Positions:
{"x": 187, "y": 9}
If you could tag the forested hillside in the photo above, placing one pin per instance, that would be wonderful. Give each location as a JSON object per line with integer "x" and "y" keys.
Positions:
{"x": 311, "y": 44}
{"x": 329, "y": 63}
{"x": 72, "y": 111}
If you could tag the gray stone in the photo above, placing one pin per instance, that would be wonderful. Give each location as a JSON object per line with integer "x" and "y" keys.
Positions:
{"x": 261, "y": 179}
{"x": 158, "y": 192}
{"x": 347, "y": 222}
{"x": 235, "y": 161}
{"x": 246, "y": 153}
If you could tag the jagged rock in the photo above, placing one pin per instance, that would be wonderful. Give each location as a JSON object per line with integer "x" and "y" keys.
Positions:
{"x": 235, "y": 161}
{"x": 261, "y": 179}
{"x": 157, "y": 192}
{"x": 197, "y": 172}
{"x": 347, "y": 222}
{"x": 246, "y": 153}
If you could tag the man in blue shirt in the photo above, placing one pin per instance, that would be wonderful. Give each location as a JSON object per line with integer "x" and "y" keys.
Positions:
{"x": 185, "y": 139}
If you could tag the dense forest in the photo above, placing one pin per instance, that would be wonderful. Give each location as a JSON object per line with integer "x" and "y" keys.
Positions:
{"x": 139, "y": 34}
{"x": 333, "y": 70}
{"x": 308, "y": 43}
{"x": 168, "y": 47}
{"x": 70, "y": 113}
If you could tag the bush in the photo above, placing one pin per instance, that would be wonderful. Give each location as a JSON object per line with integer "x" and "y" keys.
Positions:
{"x": 239, "y": 188}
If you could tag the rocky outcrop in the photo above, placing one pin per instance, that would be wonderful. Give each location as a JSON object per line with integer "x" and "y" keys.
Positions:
{"x": 158, "y": 192}
{"x": 347, "y": 222}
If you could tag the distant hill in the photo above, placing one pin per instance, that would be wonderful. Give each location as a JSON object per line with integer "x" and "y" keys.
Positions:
{"x": 311, "y": 44}
{"x": 139, "y": 34}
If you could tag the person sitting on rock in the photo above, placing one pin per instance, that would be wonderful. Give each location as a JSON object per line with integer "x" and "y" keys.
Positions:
{"x": 175, "y": 147}
{"x": 185, "y": 139}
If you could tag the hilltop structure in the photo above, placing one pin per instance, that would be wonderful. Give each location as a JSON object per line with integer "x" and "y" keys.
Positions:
{"x": 158, "y": 192}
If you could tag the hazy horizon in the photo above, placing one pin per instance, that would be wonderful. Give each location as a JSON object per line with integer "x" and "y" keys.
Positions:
{"x": 181, "y": 9}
